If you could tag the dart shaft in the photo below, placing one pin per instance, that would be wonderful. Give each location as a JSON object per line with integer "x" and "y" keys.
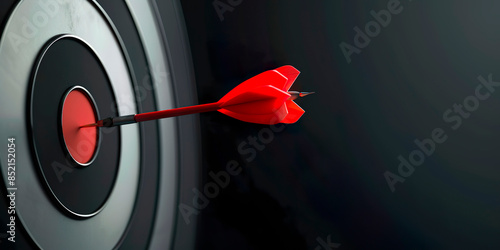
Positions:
{"x": 128, "y": 119}
{"x": 177, "y": 112}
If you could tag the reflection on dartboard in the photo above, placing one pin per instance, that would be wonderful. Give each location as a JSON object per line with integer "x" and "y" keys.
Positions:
{"x": 121, "y": 187}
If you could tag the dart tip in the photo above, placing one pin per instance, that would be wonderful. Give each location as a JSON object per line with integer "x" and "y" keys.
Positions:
{"x": 295, "y": 94}
{"x": 302, "y": 94}
{"x": 89, "y": 125}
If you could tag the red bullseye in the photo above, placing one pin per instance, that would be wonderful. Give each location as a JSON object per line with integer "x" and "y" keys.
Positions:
{"x": 79, "y": 109}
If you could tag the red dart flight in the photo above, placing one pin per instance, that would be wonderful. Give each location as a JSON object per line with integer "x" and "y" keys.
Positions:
{"x": 264, "y": 99}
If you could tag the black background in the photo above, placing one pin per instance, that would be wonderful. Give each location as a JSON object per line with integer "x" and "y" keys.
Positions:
{"x": 324, "y": 176}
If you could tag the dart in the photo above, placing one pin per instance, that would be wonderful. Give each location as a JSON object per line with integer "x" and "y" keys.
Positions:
{"x": 262, "y": 99}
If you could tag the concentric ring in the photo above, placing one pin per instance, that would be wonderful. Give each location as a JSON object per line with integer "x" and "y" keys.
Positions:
{"x": 81, "y": 191}
{"x": 145, "y": 52}
{"x": 45, "y": 223}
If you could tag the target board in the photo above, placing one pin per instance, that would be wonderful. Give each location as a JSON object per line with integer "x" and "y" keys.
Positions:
{"x": 64, "y": 60}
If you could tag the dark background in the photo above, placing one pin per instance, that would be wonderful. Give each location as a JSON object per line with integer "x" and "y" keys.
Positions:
{"x": 323, "y": 177}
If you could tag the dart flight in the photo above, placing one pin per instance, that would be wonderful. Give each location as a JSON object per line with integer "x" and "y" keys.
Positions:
{"x": 263, "y": 99}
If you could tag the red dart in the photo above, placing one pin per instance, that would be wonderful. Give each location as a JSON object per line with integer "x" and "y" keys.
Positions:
{"x": 262, "y": 99}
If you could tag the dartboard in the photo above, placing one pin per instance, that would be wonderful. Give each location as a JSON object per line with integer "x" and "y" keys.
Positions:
{"x": 122, "y": 57}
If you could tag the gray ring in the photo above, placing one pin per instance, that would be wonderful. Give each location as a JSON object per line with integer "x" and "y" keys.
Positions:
{"x": 161, "y": 27}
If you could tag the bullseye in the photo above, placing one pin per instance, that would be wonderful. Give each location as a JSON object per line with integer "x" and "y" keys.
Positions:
{"x": 79, "y": 109}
